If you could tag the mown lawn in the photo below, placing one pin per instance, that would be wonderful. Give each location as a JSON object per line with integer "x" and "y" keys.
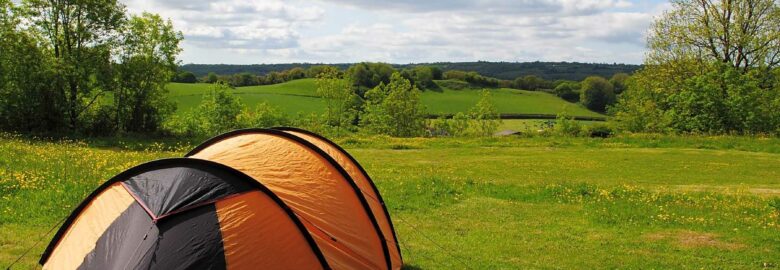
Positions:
{"x": 497, "y": 203}
{"x": 300, "y": 96}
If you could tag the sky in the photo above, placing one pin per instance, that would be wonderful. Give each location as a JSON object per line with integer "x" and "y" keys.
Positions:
{"x": 407, "y": 31}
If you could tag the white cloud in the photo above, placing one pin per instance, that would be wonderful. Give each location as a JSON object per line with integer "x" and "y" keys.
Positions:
{"x": 255, "y": 31}
{"x": 235, "y": 25}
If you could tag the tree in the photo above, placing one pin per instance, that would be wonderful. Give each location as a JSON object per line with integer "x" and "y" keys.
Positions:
{"x": 369, "y": 75}
{"x": 27, "y": 100}
{"x": 82, "y": 36}
{"x": 485, "y": 116}
{"x": 219, "y": 109}
{"x": 185, "y": 77}
{"x": 437, "y": 73}
{"x": 337, "y": 93}
{"x": 530, "y": 82}
{"x": 711, "y": 68}
{"x": 212, "y": 77}
{"x": 243, "y": 79}
{"x": 744, "y": 34}
{"x": 423, "y": 77}
{"x": 569, "y": 91}
{"x": 394, "y": 109}
{"x": 597, "y": 94}
{"x": 618, "y": 82}
{"x": 148, "y": 62}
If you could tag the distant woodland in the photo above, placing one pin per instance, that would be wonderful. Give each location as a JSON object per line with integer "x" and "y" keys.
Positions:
{"x": 500, "y": 70}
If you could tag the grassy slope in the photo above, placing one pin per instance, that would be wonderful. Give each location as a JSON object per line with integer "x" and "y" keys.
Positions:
{"x": 496, "y": 203}
{"x": 299, "y": 96}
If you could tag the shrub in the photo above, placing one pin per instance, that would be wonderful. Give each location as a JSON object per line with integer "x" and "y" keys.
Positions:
{"x": 567, "y": 126}
{"x": 439, "y": 127}
{"x": 394, "y": 109}
{"x": 599, "y": 131}
{"x": 262, "y": 116}
{"x": 485, "y": 116}
{"x": 568, "y": 91}
{"x": 217, "y": 113}
{"x": 597, "y": 93}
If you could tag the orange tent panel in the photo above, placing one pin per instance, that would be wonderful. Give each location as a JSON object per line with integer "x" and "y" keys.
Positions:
{"x": 363, "y": 182}
{"x": 317, "y": 189}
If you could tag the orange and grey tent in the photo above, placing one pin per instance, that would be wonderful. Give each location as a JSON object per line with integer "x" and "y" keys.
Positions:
{"x": 250, "y": 199}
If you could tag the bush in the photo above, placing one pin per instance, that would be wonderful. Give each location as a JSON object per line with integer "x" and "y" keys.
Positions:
{"x": 394, "y": 109}
{"x": 599, "y": 131}
{"x": 262, "y": 116}
{"x": 486, "y": 118}
{"x": 568, "y": 91}
{"x": 567, "y": 126}
{"x": 597, "y": 94}
{"x": 217, "y": 113}
{"x": 440, "y": 127}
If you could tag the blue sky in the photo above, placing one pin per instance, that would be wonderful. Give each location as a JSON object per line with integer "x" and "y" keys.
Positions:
{"x": 407, "y": 31}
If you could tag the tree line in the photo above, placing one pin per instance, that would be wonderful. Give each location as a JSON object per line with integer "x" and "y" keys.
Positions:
{"x": 552, "y": 71}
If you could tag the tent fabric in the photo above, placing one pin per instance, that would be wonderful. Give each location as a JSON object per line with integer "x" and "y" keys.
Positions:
{"x": 99, "y": 213}
{"x": 314, "y": 185}
{"x": 265, "y": 239}
{"x": 167, "y": 190}
{"x": 114, "y": 229}
{"x": 259, "y": 198}
{"x": 364, "y": 183}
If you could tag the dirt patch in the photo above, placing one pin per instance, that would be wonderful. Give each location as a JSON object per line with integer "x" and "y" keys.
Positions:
{"x": 691, "y": 239}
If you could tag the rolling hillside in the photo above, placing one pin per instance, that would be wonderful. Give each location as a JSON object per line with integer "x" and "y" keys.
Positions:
{"x": 299, "y": 96}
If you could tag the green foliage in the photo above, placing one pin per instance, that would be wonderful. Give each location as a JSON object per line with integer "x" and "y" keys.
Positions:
{"x": 314, "y": 71}
{"x": 85, "y": 67}
{"x": 185, "y": 77}
{"x": 148, "y": 62}
{"x": 567, "y": 126}
{"x": 597, "y": 94}
{"x": 28, "y": 100}
{"x": 211, "y": 78}
{"x": 369, "y": 75}
{"x": 243, "y": 79}
{"x": 569, "y": 91}
{"x": 472, "y": 78}
{"x": 460, "y": 124}
{"x": 618, "y": 82}
{"x": 217, "y": 113}
{"x": 705, "y": 76}
{"x": 421, "y": 76}
{"x": 263, "y": 115}
{"x": 394, "y": 109}
{"x": 485, "y": 116}
{"x": 83, "y": 36}
{"x": 744, "y": 34}
{"x": 532, "y": 83}
{"x": 482, "y": 120}
{"x": 721, "y": 100}
{"x": 339, "y": 96}
{"x": 550, "y": 71}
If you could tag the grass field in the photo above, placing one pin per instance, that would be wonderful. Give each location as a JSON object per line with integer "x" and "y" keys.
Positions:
{"x": 300, "y": 96}
{"x": 496, "y": 203}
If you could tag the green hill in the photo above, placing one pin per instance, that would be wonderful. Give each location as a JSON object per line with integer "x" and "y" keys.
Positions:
{"x": 299, "y": 96}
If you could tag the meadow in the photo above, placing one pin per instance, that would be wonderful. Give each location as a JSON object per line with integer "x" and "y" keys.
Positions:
{"x": 300, "y": 96}
{"x": 641, "y": 201}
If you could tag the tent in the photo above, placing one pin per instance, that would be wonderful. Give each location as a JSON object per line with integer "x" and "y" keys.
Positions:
{"x": 280, "y": 198}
